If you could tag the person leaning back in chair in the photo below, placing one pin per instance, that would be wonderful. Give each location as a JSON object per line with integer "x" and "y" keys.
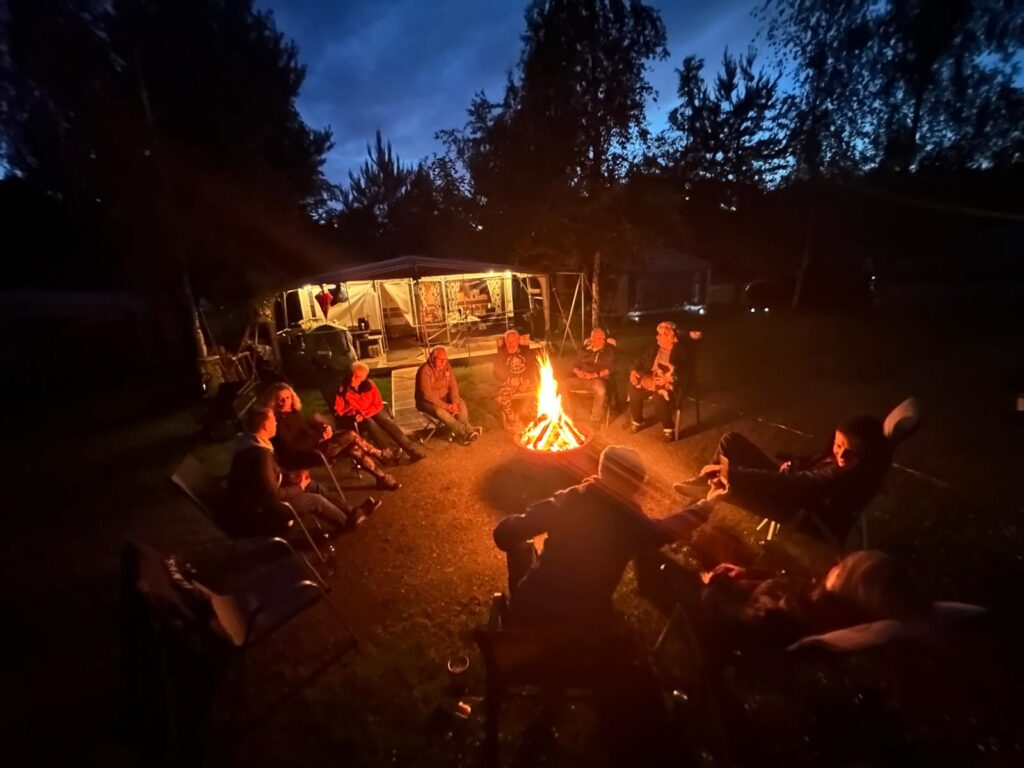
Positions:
{"x": 515, "y": 368}
{"x": 358, "y": 405}
{"x": 657, "y": 376}
{"x": 594, "y": 368}
{"x": 593, "y": 530}
{"x": 437, "y": 395}
{"x": 834, "y": 484}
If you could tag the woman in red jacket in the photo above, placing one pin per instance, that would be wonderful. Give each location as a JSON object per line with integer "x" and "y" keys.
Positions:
{"x": 359, "y": 405}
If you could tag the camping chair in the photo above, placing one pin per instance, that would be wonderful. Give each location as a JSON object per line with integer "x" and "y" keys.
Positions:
{"x": 591, "y": 394}
{"x": 530, "y": 661}
{"x": 901, "y": 422}
{"x": 208, "y": 494}
{"x": 223, "y": 597}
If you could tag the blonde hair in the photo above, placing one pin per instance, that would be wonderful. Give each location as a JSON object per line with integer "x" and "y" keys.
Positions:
{"x": 361, "y": 367}
{"x": 271, "y": 393}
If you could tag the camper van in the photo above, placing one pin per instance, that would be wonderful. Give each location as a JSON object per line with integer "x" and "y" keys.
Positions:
{"x": 309, "y": 330}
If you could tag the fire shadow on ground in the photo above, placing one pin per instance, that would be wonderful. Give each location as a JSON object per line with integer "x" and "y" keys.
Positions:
{"x": 527, "y": 477}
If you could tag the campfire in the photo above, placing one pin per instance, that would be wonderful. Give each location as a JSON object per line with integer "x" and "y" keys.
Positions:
{"x": 551, "y": 431}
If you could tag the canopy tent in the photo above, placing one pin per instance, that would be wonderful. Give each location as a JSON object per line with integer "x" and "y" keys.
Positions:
{"x": 413, "y": 302}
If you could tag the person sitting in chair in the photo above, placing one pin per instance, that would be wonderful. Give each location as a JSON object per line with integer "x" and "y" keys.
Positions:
{"x": 658, "y": 376}
{"x": 299, "y": 441}
{"x": 437, "y": 395}
{"x": 358, "y": 403}
{"x": 834, "y": 484}
{"x": 255, "y": 489}
{"x": 593, "y": 530}
{"x": 594, "y": 369}
{"x": 515, "y": 368}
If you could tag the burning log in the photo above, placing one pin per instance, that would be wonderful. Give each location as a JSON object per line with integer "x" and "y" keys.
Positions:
{"x": 551, "y": 431}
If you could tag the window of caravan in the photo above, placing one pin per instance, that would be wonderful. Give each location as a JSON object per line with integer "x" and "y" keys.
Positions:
{"x": 293, "y": 307}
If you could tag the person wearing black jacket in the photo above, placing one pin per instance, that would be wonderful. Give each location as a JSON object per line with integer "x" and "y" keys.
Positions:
{"x": 594, "y": 369}
{"x": 515, "y": 368}
{"x": 661, "y": 375}
{"x": 834, "y": 484}
{"x": 255, "y": 490}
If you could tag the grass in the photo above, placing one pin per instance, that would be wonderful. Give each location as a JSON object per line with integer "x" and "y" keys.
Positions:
{"x": 417, "y": 578}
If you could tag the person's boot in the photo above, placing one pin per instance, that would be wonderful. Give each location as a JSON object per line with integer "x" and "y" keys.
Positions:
{"x": 386, "y": 482}
{"x": 415, "y": 454}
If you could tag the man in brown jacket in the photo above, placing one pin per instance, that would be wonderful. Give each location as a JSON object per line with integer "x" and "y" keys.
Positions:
{"x": 437, "y": 395}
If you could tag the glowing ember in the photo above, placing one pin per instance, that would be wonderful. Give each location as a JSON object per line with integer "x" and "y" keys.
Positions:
{"x": 552, "y": 430}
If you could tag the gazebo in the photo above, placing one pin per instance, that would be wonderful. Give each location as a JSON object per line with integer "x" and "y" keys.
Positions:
{"x": 395, "y": 309}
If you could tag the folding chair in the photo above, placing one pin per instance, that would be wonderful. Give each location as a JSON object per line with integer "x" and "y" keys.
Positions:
{"x": 900, "y": 423}
{"x": 431, "y": 425}
{"x": 208, "y": 494}
{"x": 592, "y": 395}
{"x": 230, "y": 596}
{"x": 529, "y": 661}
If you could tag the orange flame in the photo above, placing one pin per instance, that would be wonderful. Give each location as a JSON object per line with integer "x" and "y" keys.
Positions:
{"x": 551, "y": 430}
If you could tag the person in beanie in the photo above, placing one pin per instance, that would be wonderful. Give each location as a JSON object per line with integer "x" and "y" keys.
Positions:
{"x": 593, "y": 530}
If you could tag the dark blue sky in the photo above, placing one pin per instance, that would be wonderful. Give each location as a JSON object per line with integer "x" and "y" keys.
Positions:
{"x": 410, "y": 67}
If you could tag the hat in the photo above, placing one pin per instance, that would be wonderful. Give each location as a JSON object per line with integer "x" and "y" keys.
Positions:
{"x": 619, "y": 464}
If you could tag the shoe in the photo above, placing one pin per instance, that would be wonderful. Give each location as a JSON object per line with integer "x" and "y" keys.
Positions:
{"x": 355, "y": 517}
{"x": 388, "y": 483}
{"x": 415, "y": 454}
{"x": 634, "y": 427}
{"x": 691, "y": 487}
{"x": 668, "y": 435}
{"x": 370, "y": 505}
{"x": 472, "y": 435}
{"x": 391, "y": 456}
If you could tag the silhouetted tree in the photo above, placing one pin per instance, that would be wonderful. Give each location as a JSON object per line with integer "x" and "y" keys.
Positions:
{"x": 171, "y": 129}
{"x": 539, "y": 171}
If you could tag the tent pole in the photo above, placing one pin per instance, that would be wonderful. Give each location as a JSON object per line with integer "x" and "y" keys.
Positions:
{"x": 444, "y": 310}
{"x": 583, "y": 310}
{"x": 380, "y": 317}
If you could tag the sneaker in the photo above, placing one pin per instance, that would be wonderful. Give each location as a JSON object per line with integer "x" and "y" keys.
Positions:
{"x": 415, "y": 454}
{"x": 388, "y": 483}
{"x": 668, "y": 435}
{"x": 691, "y": 487}
{"x": 634, "y": 427}
{"x": 355, "y": 517}
{"x": 472, "y": 435}
{"x": 370, "y": 505}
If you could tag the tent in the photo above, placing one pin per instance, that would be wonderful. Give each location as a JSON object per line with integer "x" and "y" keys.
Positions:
{"x": 396, "y": 308}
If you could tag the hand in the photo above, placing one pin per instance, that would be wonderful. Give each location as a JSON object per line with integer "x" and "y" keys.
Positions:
{"x": 634, "y": 378}
{"x": 359, "y": 417}
{"x": 726, "y": 571}
{"x": 711, "y": 470}
{"x": 786, "y": 466}
{"x": 717, "y": 490}
{"x": 453, "y": 408}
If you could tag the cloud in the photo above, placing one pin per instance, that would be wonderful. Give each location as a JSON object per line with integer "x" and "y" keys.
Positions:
{"x": 411, "y": 67}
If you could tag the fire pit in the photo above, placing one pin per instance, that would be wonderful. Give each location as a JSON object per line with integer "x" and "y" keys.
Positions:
{"x": 551, "y": 432}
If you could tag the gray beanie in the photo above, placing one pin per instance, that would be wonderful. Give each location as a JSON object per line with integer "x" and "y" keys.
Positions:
{"x": 621, "y": 464}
